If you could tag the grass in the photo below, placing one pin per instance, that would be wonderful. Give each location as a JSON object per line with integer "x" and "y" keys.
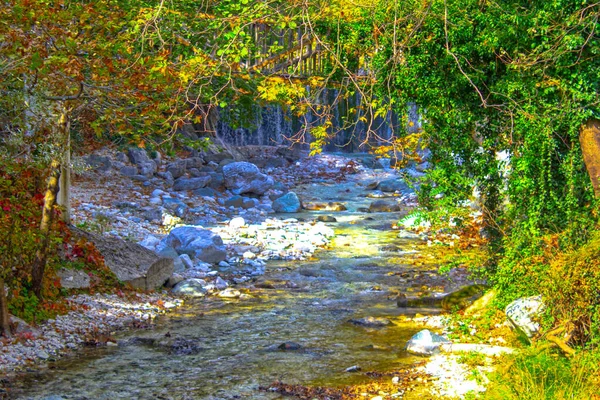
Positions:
{"x": 546, "y": 376}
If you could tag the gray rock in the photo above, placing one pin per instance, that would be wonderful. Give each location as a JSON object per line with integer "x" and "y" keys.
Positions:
{"x": 128, "y": 170}
{"x": 167, "y": 176}
{"x": 190, "y": 287}
{"x": 153, "y": 214}
{"x": 147, "y": 168}
{"x": 187, "y": 261}
{"x": 384, "y": 206}
{"x": 139, "y": 178}
{"x": 99, "y": 163}
{"x": 217, "y": 180}
{"x": 243, "y": 177}
{"x": 131, "y": 262}
{"x": 150, "y": 242}
{"x": 205, "y": 192}
{"x": 177, "y": 169}
{"x": 408, "y": 235}
{"x": 191, "y": 184}
{"x": 137, "y": 156}
{"x": 197, "y": 242}
{"x": 234, "y": 201}
{"x": 73, "y": 278}
{"x": 170, "y": 252}
{"x": 523, "y": 313}
{"x": 175, "y": 206}
{"x": 194, "y": 162}
{"x": 174, "y": 280}
{"x": 288, "y": 203}
{"x": 394, "y": 185}
{"x": 425, "y": 343}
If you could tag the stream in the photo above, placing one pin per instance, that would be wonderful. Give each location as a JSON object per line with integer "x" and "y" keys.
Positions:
{"x": 295, "y": 327}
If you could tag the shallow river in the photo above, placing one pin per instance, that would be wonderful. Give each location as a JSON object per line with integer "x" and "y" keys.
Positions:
{"x": 231, "y": 347}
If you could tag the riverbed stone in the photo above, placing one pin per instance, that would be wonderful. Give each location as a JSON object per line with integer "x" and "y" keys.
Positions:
{"x": 197, "y": 242}
{"x": 191, "y": 183}
{"x": 394, "y": 185}
{"x": 330, "y": 206}
{"x": 384, "y": 206}
{"x": 288, "y": 203}
{"x": 193, "y": 287}
{"x": 371, "y": 322}
{"x": 177, "y": 168}
{"x": 244, "y": 177}
{"x": 425, "y": 343}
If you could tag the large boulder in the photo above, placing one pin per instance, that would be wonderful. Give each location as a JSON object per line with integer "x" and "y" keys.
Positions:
{"x": 524, "y": 313}
{"x": 130, "y": 262}
{"x": 244, "y": 177}
{"x": 137, "y": 156}
{"x": 288, "y": 203}
{"x": 197, "y": 242}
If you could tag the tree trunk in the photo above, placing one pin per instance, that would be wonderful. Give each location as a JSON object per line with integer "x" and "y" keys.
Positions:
{"x": 64, "y": 191}
{"x": 4, "y": 318}
{"x": 41, "y": 256}
{"x": 589, "y": 138}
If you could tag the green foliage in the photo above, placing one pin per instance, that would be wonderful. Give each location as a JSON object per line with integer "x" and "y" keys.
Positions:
{"x": 546, "y": 376}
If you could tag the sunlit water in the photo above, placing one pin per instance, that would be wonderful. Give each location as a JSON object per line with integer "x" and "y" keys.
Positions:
{"x": 235, "y": 342}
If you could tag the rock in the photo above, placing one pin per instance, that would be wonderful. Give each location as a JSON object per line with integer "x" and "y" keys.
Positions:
{"x": 522, "y": 314}
{"x": 175, "y": 206}
{"x": 191, "y": 184}
{"x": 73, "y": 278}
{"x": 326, "y": 218}
{"x": 197, "y": 242}
{"x": 23, "y": 328}
{"x": 371, "y": 322}
{"x": 243, "y": 177}
{"x": 187, "y": 261}
{"x": 130, "y": 262}
{"x": 229, "y": 293}
{"x": 167, "y": 176}
{"x": 220, "y": 284}
{"x": 174, "y": 280}
{"x": 237, "y": 223}
{"x": 177, "y": 168}
{"x": 408, "y": 235}
{"x": 354, "y": 368}
{"x": 289, "y": 346}
{"x": 288, "y": 203}
{"x": 217, "y": 180}
{"x": 384, "y": 206}
{"x": 425, "y": 343}
{"x": 190, "y": 287}
{"x": 137, "y": 156}
{"x": 128, "y": 170}
{"x": 462, "y": 298}
{"x": 394, "y": 185}
{"x": 234, "y": 201}
{"x": 147, "y": 168}
{"x": 331, "y": 206}
{"x": 99, "y": 163}
{"x": 205, "y": 192}
{"x": 194, "y": 162}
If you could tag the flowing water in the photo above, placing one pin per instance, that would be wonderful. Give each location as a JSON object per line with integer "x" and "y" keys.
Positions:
{"x": 295, "y": 328}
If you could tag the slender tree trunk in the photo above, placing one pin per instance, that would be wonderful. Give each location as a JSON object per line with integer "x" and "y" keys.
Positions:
{"x": 50, "y": 198}
{"x": 4, "y": 318}
{"x": 64, "y": 191}
{"x": 41, "y": 256}
{"x": 589, "y": 138}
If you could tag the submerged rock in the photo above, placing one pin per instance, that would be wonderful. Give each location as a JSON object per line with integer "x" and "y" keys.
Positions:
{"x": 371, "y": 322}
{"x": 425, "y": 343}
{"x": 384, "y": 206}
{"x": 190, "y": 287}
